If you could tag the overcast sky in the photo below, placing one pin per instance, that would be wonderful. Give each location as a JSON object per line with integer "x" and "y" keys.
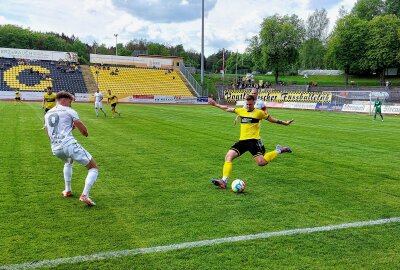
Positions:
{"x": 228, "y": 23}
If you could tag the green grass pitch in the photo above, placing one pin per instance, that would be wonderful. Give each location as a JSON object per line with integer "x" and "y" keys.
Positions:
{"x": 155, "y": 165}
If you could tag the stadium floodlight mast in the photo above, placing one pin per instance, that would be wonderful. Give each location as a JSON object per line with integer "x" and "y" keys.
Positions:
{"x": 116, "y": 44}
{"x": 202, "y": 44}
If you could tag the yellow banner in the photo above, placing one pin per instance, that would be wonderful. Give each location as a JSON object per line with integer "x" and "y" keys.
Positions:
{"x": 280, "y": 96}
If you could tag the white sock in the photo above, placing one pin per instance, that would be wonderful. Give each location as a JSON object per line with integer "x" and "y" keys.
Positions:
{"x": 90, "y": 179}
{"x": 103, "y": 111}
{"x": 67, "y": 176}
{"x": 97, "y": 112}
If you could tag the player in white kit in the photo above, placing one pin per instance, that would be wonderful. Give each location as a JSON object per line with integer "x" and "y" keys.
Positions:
{"x": 60, "y": 121}
{"x": 98, "y": 104}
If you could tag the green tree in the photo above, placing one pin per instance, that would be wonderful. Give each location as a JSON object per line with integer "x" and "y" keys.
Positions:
{"x": 312, "y": 51}
{"x": 312, "y": 54}
{"x": 179, "y": 50}
{"x": 102, "y": 49}
{"x": 317, "y": 25}
{"x": 211, "y": 62}
{"x": 347, "y": 46}
{"x": 392, "y": 7}
{"x": 82, "y": 49}
{"x": 368, "y": 9}
{"x": 281, "y": 38}
{"x": 157, "y": 49}
{"x": 255, "y": 52}
{"x": 383, "y": 43}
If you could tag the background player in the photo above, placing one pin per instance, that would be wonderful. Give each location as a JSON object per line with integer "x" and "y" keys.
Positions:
{"x": 17, "y": 97}
{"x": 249, "y": 138}
{"x": 49, "y": 100}
{"x": 378, "y": 108}
{"x": 113, "y": 100}
{"x": 98, "y": 104}
{"x": 59, "y": 124}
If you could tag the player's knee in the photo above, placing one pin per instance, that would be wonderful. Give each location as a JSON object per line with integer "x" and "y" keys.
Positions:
{"x": 229, "y": 158}
{"x": 261, "y": 162}
{"x": 68, "y": 165}
{"x": 92, "y": 165}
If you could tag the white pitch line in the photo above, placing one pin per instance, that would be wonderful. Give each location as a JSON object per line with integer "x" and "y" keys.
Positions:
{"x": 131, "y": 252}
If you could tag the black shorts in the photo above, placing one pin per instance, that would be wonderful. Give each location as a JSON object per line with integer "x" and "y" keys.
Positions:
{"x": 254, "y": 146}
{"x": 17, "y": 98}
{"x": 113, "y": 105}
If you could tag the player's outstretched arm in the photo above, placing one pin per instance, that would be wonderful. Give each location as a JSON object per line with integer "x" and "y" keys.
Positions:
{"x": 236, "y": 119}
{"x": 81, "y": 127}
{"x": 277, "y": 121}
{"x": 222, "y": 107}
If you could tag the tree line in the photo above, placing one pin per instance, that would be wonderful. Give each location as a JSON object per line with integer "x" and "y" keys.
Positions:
{"x": 12, "y": 36}
{"x": 365, "y": 40}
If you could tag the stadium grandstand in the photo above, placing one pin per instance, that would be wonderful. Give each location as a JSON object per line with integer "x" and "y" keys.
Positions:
{"x": 140, "y": 76}
{"x": 126, "y": 81}
{"x": 32, "y": 71}
{"x": 37, "y": 75}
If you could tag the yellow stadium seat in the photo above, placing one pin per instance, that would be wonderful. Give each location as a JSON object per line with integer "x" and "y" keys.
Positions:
{"x": 141, "y": 81}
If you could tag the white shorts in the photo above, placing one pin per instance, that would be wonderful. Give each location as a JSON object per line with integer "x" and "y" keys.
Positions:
{"x": 75, "y": 152}
{"x": 98, "y": 105}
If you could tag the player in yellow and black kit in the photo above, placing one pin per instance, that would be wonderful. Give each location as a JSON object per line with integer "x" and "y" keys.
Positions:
{"x": 17, "y": 97}
{"x": 113, "y": 100}
{"x": 249, "y": 138}
{"x": 49, "y": 100}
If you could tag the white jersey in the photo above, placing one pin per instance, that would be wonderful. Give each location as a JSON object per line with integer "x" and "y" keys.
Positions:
{"x": 59, "y": 123}
{"x": 258, "y": 105}
{"x": 98, "y": 97}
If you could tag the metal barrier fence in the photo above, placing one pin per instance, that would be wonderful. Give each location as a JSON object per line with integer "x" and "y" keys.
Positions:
{"x": 195, "y": 85}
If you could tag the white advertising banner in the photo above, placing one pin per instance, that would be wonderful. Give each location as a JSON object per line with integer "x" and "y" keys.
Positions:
{"x": 390, "y": 109}
{"x": 164, "y": 99}
{"x": 362, "y": 108}
{"x": 24, "y": 95}
{"x": 299, "y": 105}
{"x": 138, "y": 99}
{"x": 131, "y": 61}
{"x": 79, "y": 97}
{"x": 38, "y": 55}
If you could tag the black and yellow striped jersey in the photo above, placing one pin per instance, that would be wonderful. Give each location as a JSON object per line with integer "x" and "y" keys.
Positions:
{"x": 250, "y": 123}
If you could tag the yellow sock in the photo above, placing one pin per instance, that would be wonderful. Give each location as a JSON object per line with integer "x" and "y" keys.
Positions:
{"x": 270, "y": 156}
{"x": 227, "y": 170}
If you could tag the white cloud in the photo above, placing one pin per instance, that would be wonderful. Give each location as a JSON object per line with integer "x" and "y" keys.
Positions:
{"x": 228, "y": 23}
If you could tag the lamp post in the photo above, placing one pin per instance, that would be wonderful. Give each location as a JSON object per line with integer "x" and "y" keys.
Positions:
{"x": 202, "y": 44}
{"x": 237, "y": 53}
{"x": 116, "y": 44}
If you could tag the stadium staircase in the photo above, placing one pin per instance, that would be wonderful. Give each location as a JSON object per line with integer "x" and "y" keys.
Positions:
{"x": 183, "y": 78}
{"x": 141, "y": 81}
{"x": 90, "y": 81}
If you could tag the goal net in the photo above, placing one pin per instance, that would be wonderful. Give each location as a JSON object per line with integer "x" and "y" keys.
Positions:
{"x": 364, "y": 99}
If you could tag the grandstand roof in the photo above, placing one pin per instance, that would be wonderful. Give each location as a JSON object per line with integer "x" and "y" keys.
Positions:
{"x": 159, "y": 56}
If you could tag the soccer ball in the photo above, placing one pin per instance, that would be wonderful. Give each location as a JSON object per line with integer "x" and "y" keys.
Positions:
{"x": 238, "y": 186}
